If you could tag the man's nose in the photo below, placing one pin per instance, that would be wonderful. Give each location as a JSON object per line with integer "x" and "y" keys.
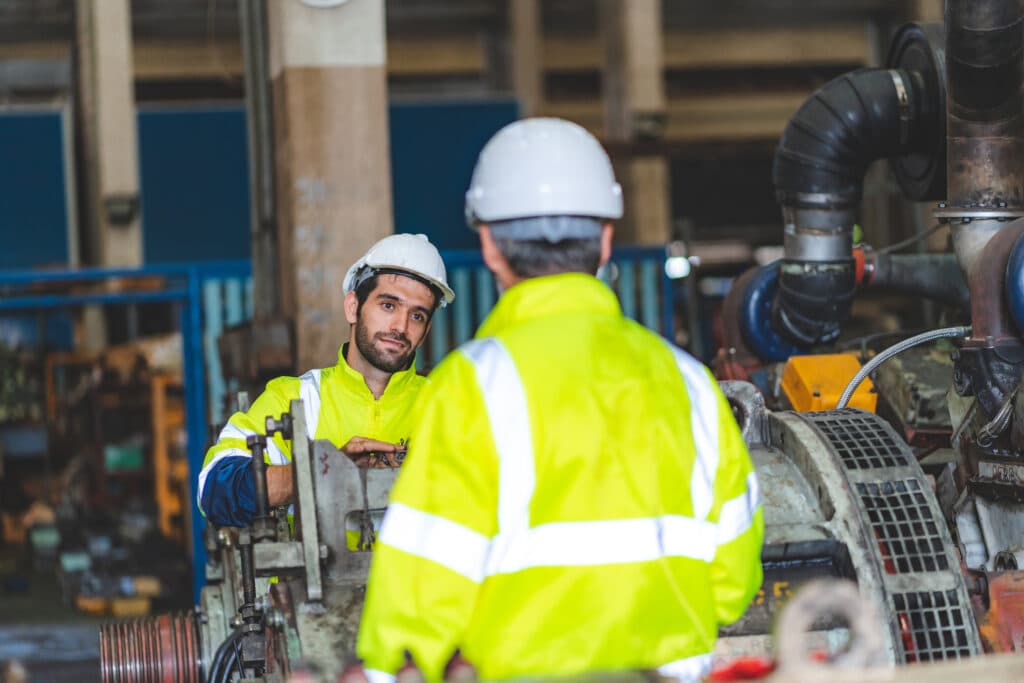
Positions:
{"x": 399, "y": 324}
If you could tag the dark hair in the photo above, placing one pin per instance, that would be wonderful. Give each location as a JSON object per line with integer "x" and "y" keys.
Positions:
{"x": 366, "y": 287}
{"x": 534, "y": 258}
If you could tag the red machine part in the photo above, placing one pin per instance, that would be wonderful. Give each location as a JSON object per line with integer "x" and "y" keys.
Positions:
{"x": 160, "y": 649}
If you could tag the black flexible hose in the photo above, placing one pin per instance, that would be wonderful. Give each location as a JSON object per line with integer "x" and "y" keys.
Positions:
{"x": 848, "y": 123}
{"x": 225, "y": 650}
{"x": 818, "y": 171}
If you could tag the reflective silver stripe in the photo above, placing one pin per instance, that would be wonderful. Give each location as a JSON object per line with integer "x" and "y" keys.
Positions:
{"x": 704, "y": 425}
{"x": 437, "y": 539}
{"x": 276, "y": 455}
{"x": 274, "y": 452}
{"x": 375, "y": 676}
{"x": 509, "y": 416}
{"x": 309, "y": 392}
{"x": 517, "y": 546}
{"x": 231, "y": 431}
{"x": 689, "y": 670}
{"x": 738, "y": 513}
{"x": 205, "y": 472}
{"x": 607, "y": 542}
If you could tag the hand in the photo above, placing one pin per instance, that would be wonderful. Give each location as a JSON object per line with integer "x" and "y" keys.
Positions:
{"x": 371, "y": 452}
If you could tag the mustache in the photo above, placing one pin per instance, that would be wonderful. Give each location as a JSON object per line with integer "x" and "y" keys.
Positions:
{"x": 395, "y": 336}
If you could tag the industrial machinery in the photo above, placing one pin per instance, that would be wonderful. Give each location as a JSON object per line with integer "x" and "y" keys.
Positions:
{"x": 845, "y": 495}
{"x": 273, "y": 603}
{"x": 948, "y": 113}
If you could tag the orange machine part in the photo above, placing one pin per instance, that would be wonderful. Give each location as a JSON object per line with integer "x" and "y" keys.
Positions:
{"x": 813, "y": 383}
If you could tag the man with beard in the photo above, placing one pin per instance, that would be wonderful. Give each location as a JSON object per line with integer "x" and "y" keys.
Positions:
{"x": 363, "y": 403}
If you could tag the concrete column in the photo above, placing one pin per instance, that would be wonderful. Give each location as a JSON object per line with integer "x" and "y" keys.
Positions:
{"x": 108, "y": 125}
{"x": 329, "y": 90}
{"x": 635, "y": 109}
{"x": 526, "y": 46}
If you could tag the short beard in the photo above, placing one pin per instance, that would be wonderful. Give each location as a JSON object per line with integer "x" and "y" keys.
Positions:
{"x": 377, "y": 359}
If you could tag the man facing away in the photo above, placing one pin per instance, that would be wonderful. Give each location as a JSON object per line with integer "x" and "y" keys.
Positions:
{"x": 363, "y": 403}
{"x": 578, "y": 496}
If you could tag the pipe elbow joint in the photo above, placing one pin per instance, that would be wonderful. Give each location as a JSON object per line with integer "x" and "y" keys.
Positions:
{"x": 756, "y": 319}
{"x": 814, "y": 300}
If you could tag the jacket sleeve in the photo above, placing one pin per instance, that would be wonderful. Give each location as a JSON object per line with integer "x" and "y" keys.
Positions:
{"x": 224, "y": 481}
{"x": 429, "y": 560}
{"x": 736, "y": 569}
{"x": 229, "y": 494}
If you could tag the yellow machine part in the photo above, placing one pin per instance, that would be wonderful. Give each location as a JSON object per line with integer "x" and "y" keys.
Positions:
{"x": 813, "y": 383}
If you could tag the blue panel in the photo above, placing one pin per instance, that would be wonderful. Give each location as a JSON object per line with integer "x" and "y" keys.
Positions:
{"x": 434, "y": 146}
{"x": 194, "y": 168}
{"x": 33, "y": 198}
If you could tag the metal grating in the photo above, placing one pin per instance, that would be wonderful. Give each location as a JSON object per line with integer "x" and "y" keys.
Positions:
{"x": 907, "y": 534}
{"x": 859, "y": 439}
{"x": 932, "y": 625}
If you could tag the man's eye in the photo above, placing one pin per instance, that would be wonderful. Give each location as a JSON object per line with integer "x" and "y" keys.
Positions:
{"x": 419, "y": 317}
{"x": 387, "y": 305}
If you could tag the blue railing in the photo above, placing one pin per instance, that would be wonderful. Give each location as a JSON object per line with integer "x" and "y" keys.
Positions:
{"x": 215, "y": 295}
{"x": 636, "y": 274}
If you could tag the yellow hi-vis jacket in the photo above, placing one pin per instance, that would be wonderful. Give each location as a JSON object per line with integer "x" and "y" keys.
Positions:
{"x": 337, "y": 405}
{"x": 577, "y": 498}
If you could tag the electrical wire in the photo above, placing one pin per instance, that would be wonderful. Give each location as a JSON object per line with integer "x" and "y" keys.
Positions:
{"x": 913, "y": 239}
{"x": 894, "y": 350}
{"x": 222, "y": 657}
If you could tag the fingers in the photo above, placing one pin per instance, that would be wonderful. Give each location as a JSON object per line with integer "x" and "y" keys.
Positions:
{"x": 359, "y": 445}
{"x": 375, "y": 461}
{"x": 372, "y": 452}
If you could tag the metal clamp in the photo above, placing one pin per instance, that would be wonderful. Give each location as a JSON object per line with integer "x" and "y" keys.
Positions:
{"x": 903, "y": 98}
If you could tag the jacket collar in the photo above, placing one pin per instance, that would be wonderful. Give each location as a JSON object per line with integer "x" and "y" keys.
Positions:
{"x": 355, "y": 381}
{"x": 549, "y": 295}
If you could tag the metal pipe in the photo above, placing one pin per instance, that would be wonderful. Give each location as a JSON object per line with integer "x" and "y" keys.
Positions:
{"x": 985, "y": 120}
{"x": 254, "y": 35}
{"x": 934, "y": 276}
{"x": 989, "y": 313}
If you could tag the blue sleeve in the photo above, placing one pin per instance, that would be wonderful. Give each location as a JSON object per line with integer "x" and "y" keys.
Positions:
{"x": 229, "y": 496}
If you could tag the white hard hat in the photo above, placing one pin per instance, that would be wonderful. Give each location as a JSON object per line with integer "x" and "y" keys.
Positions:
{"x": 410, "y": 254}
{"x": 542, "y": 167}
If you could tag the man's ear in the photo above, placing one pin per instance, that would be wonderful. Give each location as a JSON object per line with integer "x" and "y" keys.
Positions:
{"x": 494, "y": 259}
{"x": 492, "y": 255}
{"x": 607, "y": 233}
{"x": 351, "y": 308}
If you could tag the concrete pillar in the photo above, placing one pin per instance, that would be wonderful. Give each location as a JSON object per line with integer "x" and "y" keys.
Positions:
{"x": 108, "y": 125}
{"x": 635, "y": 109}
{"x": 526, "y": 47}
{"x": 329, "y": 90}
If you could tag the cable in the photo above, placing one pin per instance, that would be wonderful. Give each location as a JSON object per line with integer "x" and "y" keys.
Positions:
{"x": 913, "y": 239}
{"x": 221, "y": 657}
{"x": 894, "y": 350}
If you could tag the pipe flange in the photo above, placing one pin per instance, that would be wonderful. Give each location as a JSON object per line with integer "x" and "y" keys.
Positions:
{"x": 946, "y": 214}
{"x": 919, "y": 51}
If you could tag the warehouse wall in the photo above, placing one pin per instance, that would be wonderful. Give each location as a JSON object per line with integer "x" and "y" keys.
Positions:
{"x": 195, "y": 178}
